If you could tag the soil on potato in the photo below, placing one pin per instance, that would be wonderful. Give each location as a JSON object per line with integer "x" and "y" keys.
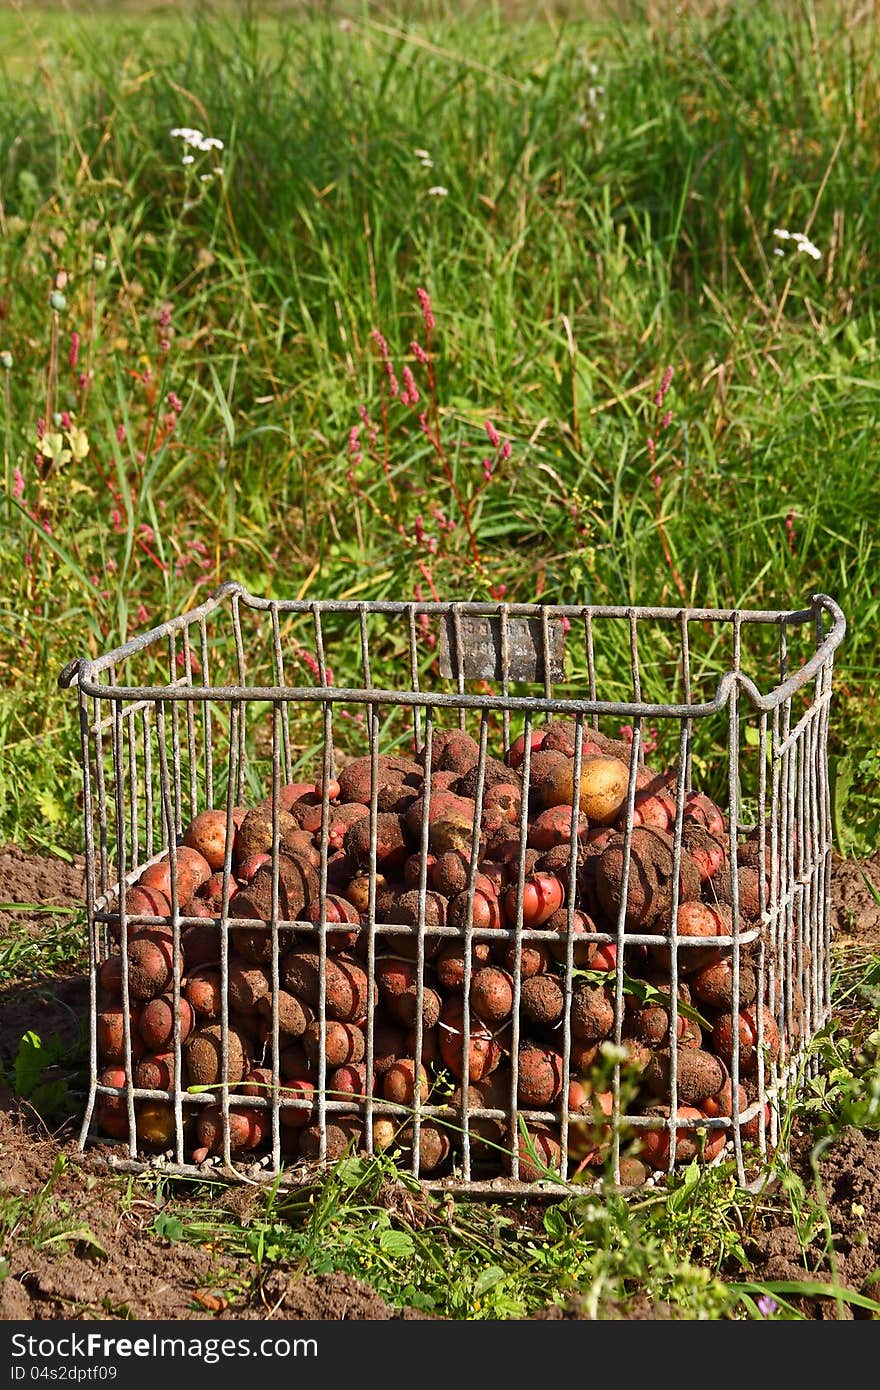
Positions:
{"x": 113, "y": 1266}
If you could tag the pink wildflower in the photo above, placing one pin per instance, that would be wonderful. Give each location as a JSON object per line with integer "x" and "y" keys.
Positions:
{"x": 419, "y": 353}
{"x": 73, "y": 356}
{"x": 410, "y": 393}
{"x": 120, "y": 434}
{"x": 427, "y": 311}
{"x": 174, "y": 401}
{"x": 116, "y": 519}
{"x": 17, "y": 484}
{"x": 142, "y": 615}
{"x": 664, "y": 387}
{"x": 494, "y": 436}
{"x": 506, "y": 450}
{"x": 789, "y": 531}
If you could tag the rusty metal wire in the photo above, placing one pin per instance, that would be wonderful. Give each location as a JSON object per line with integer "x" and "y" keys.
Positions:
{"x": 161, "y": 741}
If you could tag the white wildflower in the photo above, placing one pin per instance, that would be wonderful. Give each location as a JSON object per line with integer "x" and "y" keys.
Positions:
{"x": 438, "y": 191}
{"x": 188, "y": 159}
{"x": 801, "y": 242}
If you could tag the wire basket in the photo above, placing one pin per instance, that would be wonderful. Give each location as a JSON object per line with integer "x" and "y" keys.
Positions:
{"x": 227, "y": 706}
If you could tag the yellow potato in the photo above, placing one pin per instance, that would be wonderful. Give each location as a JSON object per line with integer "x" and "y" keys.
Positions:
{"x": 603, "y": 788}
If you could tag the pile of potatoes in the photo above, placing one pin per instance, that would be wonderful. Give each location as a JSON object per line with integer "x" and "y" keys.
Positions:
{"x": 370, "y": 1045}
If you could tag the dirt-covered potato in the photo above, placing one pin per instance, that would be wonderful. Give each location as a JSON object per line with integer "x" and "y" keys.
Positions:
{"x": 539, "y": 1076}
{"x": 203, "y": 1053}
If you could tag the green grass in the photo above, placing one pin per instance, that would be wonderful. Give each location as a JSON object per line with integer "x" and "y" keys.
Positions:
{"x": 572, "y": 260}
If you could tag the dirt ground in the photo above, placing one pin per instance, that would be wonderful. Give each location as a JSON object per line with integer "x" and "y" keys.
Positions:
{"x": 112, "y": 1268}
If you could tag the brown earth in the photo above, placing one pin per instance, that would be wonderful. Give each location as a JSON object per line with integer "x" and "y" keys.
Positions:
{"x": 90, "y": 1252}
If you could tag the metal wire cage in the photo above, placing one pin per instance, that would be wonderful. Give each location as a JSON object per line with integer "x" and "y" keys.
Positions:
{"x": 225, "y": 706}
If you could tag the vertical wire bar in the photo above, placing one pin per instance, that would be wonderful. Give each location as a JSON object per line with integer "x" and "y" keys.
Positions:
{"x": 574, "y": 849}
{"x": 686, "y": 772}
{"x": 276, "y": 974}
{"x": 133, "y": 790}
{"x": 591, "y": 659}
{"x": 207, "y": 722}
{"x": 177, "y": 823}
{"x": 505, "y": 672}
{"x": 101, "y": 787}
{"x": 242, "y": 678}
{"x": 803, "y": 862}
{"x": 733, "y": 802}
{"x": 776, "y": 910}
{"x": 468, "y": 944}
{"x": 94, "y": 949}
{"x": 146, "y": 723}
{"x": 420, "y": 948}
{"x": 765, "y": 921}
{"x": 121, "y": 870}
{"x": 190, "y": 729}
{"x": 635, "y": 758}
{"x": 165, "y": 780}
{"x": 233, "y": 777}
{"x": 823, "y": 964}
{"x": 790, "y": 766}
{"x": 459, "y": 659}
{"x": 678, "y": 831}
{"x": 327, "y": 771}
{"x": 280, "y": 681}
{"x": 526, "y": 769}
{"x": 545, "y": 652}
{"x": 414, "y": 677}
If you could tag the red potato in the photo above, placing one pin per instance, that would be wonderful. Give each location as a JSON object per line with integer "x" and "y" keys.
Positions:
{"x": 516, "y": 752}
{"x": 553, "y": 827}
{"x": 247, "y": 1130}
{"x": 343, "y": 1043}
{"x": 154, "y": 1073}
{"x": 542, "y": 1000}
{"x": 747, "y": 1030}
{"x": 430, "y": 1046}
{"x": 388, "y": 1045}
{"x": 589, "y": 1137}
{"x": 391, "y": 846}
{"x": 112, "y": 1111}
{"x": 207, "y": 835}
{"x": 722, "y": 1104}
{"x": 348, "y": 1081}
{"x": 491, "y": 994}
{"x": 211, "y": 893}
{"x": 196, "y": 907}
{"x": 539, "y": 1077}
{"x": 689, "y": 1142}
{"x": 704, "y": 812}
{"x": 150, "y": 962}
{"x": 656, "y": 808}
{"x": 203, "y": 991}
{"x": 404, "y": 1007}
{"x": 297, "y": 1116}
{"x": 340, "y": 821}
{"x": 342, "y": 1134}
{"x": 412, "y": 871}
{"x": 332, "y": 789}
{"x": 534, "y": 959}
{"x": 110, "y": 1031}
{"x": 540, "y": 1155}
{"x": 145, "y": 900}
{"x": 200, "y": 945}
{"x": 248, "y": 867}
{"x": 292, "y": 792}
{"x": 583, "y": 927}
{"x": 449, "y": 964}
{"x": 543, "y": 894}
{"x": 156, "y": 1025}
{"x": 110, "y": 975}
{"x": 203, "y": 1053}
{"x": 484, "y": 1053}
{"x": 485, "y": 911}
{"x": 434, "y": 1146}
{"x": 401, "y": 1081}
{"x": 293, "y": 1016}
{"x": 345, "y": 982}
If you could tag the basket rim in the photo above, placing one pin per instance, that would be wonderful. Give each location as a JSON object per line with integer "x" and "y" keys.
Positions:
{"x": 85, "y": 672}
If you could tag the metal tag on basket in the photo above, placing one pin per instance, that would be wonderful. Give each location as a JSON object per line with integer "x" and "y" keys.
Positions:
{"x": 479, "y": 648}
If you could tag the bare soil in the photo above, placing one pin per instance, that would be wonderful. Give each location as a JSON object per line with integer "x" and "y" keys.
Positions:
{"x": 90, "y": 1253}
